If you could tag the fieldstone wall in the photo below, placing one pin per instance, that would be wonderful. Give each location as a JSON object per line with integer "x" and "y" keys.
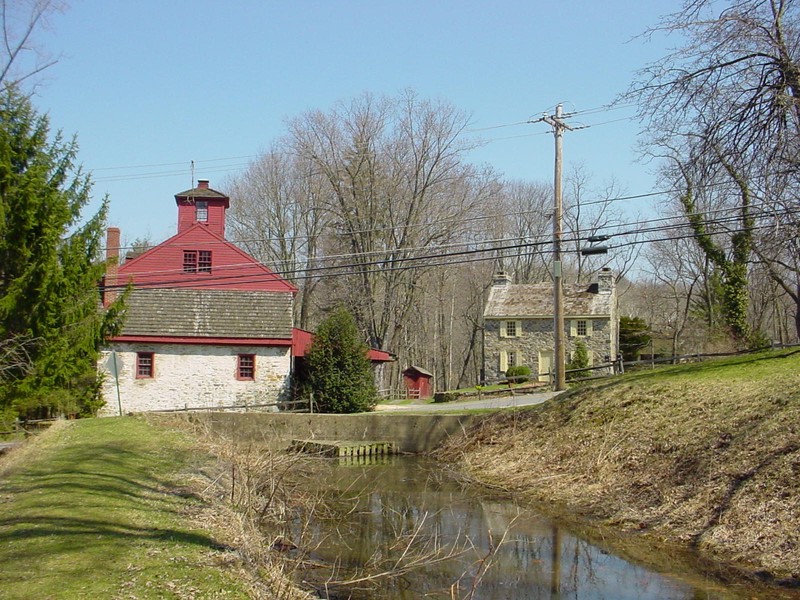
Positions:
{"x": 536, "y": 335}
{"x": 193, "y": 376}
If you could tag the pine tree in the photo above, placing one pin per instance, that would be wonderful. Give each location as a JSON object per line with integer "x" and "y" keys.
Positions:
{"x": 339, "y": 372}
{"x": 49, "y": 268}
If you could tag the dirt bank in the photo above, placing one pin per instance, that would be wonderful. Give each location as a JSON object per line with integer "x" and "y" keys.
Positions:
{"x": 706, "y": 456}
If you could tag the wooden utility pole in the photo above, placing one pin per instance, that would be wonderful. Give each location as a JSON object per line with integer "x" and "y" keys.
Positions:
{"x": 559, "y": 363}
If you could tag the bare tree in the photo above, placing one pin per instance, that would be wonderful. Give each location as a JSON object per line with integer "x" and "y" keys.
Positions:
{"x": 398, "y": 189}
{"x": 527, "y": 219}
{"x": 277, "y": 216}
{"x": 21, "y": 58}
{"x": 725, "y": 108}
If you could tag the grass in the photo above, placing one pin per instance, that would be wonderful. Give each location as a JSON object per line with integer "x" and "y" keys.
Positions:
{"x": 705, "y": 456}
{"x": 96, "y": 508}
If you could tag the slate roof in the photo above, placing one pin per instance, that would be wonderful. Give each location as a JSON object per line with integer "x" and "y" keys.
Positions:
{"x": 208, "y": 313}
{"x": 536, "y": 300}
{"x": 200, "y": 193}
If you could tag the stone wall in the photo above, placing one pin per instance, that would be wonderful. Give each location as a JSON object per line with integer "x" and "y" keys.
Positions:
{"x": 413, "y": 433}
{"x": 193, "y": 376}
{"x": 536, "y": 335}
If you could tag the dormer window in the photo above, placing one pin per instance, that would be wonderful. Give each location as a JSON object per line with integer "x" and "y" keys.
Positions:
{"x": 201, "y": 208}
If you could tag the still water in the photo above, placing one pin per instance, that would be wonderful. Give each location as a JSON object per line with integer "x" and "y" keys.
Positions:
{"x": 405, "y": 512}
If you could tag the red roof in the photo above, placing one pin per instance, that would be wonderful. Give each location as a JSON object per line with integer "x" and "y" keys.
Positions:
{"x": 302, "y": 339}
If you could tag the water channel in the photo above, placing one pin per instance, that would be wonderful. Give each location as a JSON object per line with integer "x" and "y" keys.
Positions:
{"x": 407, "y": 510}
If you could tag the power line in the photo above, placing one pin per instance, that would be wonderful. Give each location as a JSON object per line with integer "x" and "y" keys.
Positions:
{"x": 322, "y": 271}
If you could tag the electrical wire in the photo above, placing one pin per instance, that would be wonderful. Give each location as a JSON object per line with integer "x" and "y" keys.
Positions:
{"x": 293, "y": 273}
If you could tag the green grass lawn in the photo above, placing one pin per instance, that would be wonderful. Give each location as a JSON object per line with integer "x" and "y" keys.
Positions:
{"x": 95, "y": 509}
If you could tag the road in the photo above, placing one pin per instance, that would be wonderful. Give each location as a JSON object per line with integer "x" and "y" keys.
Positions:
{"x": 493, "y": 402}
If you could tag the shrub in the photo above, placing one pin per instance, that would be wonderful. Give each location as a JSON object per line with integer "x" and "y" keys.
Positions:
{"x": 519, "y": 373}
{"x": 338, "y": 370}
{"x": 580, "y": 360}
{"x": 445, "y": 396}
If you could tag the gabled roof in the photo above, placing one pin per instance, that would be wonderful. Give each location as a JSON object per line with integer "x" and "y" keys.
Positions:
{"x": 536, "y": 300}
{"x": 244, "y": 268}
{"x": 186, "y": 313}
{"x": 419, "y": 370}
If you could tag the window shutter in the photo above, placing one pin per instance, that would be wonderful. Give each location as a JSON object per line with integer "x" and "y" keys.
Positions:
{"x": 519, "y": 328}
{"x": 573, "y": 328}
{"x": 503, "y": 361}
{"x": 503, "y": 329}
{"x": 591, "y": 359}
{"x": 588, "y": 328}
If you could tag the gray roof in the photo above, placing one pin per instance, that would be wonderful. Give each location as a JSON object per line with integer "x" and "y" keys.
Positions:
{"x": 536, "y": 300}
{"x": 200, "y": 193}
{"x": 208, "y": 313}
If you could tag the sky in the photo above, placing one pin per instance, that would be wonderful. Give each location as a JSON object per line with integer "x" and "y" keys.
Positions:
{"x": 152, "y": 85}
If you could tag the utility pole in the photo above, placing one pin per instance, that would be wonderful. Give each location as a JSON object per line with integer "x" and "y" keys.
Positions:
{"x": 560, "y": 380}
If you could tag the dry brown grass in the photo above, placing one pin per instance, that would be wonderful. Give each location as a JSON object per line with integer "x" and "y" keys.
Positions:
{"x": 707, "y": 456}
{"x": 249, "y": 503}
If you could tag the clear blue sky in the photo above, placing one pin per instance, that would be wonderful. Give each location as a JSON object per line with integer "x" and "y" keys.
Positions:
{"x": 149, "y": 86}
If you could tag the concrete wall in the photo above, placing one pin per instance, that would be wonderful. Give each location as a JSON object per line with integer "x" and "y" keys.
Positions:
{"x": 193, "y": 376}
{"x": 413, "y": 433}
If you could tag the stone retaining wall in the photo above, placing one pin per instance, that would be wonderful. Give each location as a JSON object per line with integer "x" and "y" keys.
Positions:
{"x": 413, "y": 433}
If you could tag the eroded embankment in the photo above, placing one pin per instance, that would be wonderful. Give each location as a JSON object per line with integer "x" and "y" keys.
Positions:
{"x": 704, "y": 455}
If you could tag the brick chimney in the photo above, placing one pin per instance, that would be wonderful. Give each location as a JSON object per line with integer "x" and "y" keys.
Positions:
{"x": 112, "y": 265}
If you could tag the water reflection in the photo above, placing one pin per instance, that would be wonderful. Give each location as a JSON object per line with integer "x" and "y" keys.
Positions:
{"x": 409, "y": 514}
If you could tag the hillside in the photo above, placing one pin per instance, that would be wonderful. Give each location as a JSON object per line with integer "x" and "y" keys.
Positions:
{"x": 703, "y": 455}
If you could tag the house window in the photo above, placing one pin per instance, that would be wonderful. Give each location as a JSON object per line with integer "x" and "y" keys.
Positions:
{"x": 190, "y": 261}
{"x": 580, "y": 328}
{"x": 509, "y": 358}
{"x": 512, "y": 358}
{"x": 510, "y": 328}
{"x": 144, "y": 365}
{"x": 195, "y": 261}
{"x": 204, "y": 261}
{"x": 201, "y": 206}
{"x": 246, "y": 367}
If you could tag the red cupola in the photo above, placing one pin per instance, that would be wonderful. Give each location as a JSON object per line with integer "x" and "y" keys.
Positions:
{"x": 202, "y": 205}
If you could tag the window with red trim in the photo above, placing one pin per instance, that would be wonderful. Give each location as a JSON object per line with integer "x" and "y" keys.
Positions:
{"x": 190, "y": 261}
{"x": 195, "y": 261}
{"x": 144, "y": 365}
{"x": 204, "y": 261}
{"x": 246, "y": 367}
{"x": 201, "y": 207}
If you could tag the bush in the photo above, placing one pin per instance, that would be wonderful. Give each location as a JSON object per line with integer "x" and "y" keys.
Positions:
{"x": 519, "y": 374}
{"x": 445, "y": 396}
{"x": 580, "y": 360}
{"x": 338, "y": 370}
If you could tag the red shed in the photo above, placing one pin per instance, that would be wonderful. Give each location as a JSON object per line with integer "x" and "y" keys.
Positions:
{"x": 419, "y": 382}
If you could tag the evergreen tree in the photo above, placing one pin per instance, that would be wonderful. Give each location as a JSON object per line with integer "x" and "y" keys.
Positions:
{"x": 634, "y": 334}
{"x": 50, "y": 268}
{"x": 339, "y": 372}
{"x": 580, "y": 360}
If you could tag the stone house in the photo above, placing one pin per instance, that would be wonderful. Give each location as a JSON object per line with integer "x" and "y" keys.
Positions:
{"x": 205, "y": 324}
{"x": 518, "y": 324}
